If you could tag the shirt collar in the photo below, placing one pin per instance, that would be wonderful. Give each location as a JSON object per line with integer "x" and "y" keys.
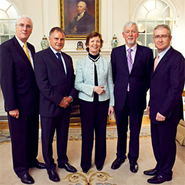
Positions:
{"x": 54, "y": 51}
{"x": 19, "y": 41}
{"x": 133, "y": 47}
{"x": 161, "y": 54}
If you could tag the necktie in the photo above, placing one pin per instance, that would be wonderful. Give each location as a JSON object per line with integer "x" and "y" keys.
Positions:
{"x": 156, "y": 62}
{"x": 25, "y": 48}
{"x": 129, "y": 60}
{"x": 59, "y": 58}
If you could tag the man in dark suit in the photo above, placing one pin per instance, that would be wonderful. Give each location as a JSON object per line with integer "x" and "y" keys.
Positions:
{"x": 165, "y": 106}
{"x": 131, "y": 64}
{"x": 55, "y": 78}
{"x": 21, "y": 96}
{"x": 83, "y": 23}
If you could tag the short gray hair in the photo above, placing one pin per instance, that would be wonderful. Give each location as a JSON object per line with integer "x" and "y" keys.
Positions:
{"x": 23, "y": 17}
{"x": 56, "y": 29}
{"x": 129, "y": 24}
{"x": 160, "y": 26}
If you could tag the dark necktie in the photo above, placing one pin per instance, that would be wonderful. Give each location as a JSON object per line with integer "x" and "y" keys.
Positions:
{"x": 59, "y": 58}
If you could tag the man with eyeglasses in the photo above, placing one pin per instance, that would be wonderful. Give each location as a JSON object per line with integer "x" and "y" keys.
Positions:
{"x": 165, "y": 105}
{"x": 21, "y": 96}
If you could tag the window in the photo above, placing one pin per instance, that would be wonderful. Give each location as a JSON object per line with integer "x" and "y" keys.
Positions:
{"x": 8, "y": 16}
{"x": 150, "y": 14}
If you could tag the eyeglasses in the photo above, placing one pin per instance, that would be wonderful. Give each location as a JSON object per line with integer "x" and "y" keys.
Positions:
{"x": 27, "y": 26}
{"x": 157, "y": 37}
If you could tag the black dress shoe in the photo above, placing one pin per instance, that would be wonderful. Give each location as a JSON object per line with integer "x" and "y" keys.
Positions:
{"x": 53, "y": 176}
{"x": 133, "y": 166}
{"x": 27, "y": 179}
{"x": 39, "y": 165}
{"x": 117, "y": 163}
{"x": 151, "y": 172}
{"x": 68, "y": 167}
{"x": 158, "y": 179}
{"x": 99, "y": 168}
{"x": 85, "y": 170}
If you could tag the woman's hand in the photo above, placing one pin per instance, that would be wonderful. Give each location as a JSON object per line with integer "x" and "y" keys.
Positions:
{"x": 99, "y": 89}
{"x": 111, "y": 110}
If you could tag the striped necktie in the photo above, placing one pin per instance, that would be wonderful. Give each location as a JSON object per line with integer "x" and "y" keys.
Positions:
{"x": 129, "y": 60}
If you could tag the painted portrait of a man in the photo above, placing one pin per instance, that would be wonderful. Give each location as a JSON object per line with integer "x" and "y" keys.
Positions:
{"x": 79, "y": 17}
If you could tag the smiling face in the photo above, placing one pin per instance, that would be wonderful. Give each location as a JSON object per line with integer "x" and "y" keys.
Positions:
{"x": 24, "y": 29}
{"x": 130, "y": 35}
{"x": 57, "y": 40}
{"x": 94, "y": 45}
{"x": 162, "y": 39}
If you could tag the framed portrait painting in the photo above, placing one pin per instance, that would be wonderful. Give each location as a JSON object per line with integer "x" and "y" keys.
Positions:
{"x": 79, "y": 18}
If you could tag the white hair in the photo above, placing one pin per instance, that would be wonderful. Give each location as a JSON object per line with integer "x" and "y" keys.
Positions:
{"x": 84, "y": 4}
{"x": 23, "y": 17}
{"x": 129, "y": 24}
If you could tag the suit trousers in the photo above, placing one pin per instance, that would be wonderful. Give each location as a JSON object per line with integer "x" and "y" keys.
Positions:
{"x": 49, "y": 125}
{"x": 163, "y": 141}
{"x": 24, "y": 139}
{"x": 122, "y": 128}
{"x": 93, "y": 118}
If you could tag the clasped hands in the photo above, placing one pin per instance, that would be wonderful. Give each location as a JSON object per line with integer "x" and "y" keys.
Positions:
{"x": 99, "y": 89}
{"x": 65, "y": 101}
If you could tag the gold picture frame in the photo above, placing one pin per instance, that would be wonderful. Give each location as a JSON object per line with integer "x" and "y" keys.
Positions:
{"x": 76, "y": 30}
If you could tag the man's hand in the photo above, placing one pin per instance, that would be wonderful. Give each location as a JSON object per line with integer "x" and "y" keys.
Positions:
{"x": 68, "y": 99}
{"x": 14, "y": 113}
{"x": 160, "y": 117}
{"x": 64, "y": 103}
{"x": 99, "y": 89}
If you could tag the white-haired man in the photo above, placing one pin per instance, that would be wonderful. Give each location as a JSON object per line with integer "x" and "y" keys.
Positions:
{"x": 131, "y": 66}
{"x": 21, "y": 98}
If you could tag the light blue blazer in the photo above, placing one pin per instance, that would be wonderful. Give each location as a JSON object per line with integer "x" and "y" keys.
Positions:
{"x": 85, "y": 79}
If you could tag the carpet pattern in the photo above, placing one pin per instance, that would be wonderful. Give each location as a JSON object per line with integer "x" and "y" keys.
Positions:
{"x": 91, "y": 178}
{"x": 75, "y": 133}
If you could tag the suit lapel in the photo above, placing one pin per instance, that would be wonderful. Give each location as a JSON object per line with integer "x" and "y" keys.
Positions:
{"x": 52, "y": 56}
{"x": 138, "y": 56}
{"x": 20, "y": 50}
{"x": 123, "y": 58}
{"x": 163, "y": 61}
{"x": 65, "y": 61}
{"x": 31, "y": 49}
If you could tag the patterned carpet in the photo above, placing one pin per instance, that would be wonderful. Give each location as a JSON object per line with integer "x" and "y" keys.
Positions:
{"x": 75, "y": 133}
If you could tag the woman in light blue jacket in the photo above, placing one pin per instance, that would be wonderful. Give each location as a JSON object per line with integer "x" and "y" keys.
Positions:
{"x": 95, "y": 85}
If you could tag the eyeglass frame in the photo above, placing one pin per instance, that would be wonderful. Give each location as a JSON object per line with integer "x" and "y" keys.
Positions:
{"x": 157, "y": 37}
{"x": 28, "y": 26}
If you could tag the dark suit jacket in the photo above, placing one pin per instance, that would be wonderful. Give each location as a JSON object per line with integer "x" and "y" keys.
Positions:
{"x": 138, "y": 79}
{"x": 52, "y": 81}
{"x": 17, "y": 78}
{"x": 84, "y": 26}
{"x": 167, "y": 83}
